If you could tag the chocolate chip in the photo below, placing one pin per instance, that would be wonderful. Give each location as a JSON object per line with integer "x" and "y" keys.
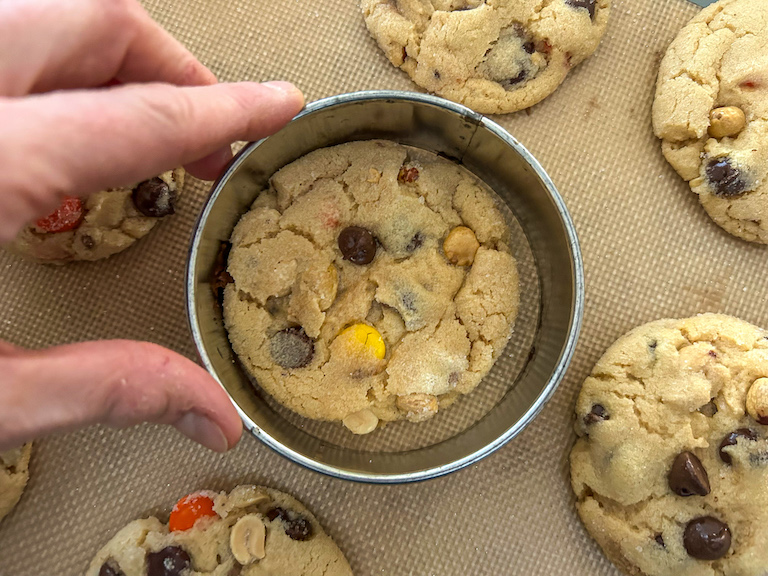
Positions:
{"x": 87, "y": 241}
{"x": 170, "y": 561}
{"x": 688, "y": 476}
{"x": 437, "y": 74}
{"x": 652, "y": 345}
{"x": 154, "y": 198}
{"x": 725, "y": 180}
{"x": 731, "y": 440}
{"x": 529, "y": 47}
{"x": 357, "y": 245}
{"x": 408, "y": 175}
{"x": 110, "y": 568}
{"x": 660, "y": 540}
{"x": 296, "y": 526}
{"x": 416, "y": 242}
{"x": 588, "y": 4}
{"x": 597, "y": 414}
{"x": 707, "y": 538}
{"x": 219, "y": 276}
{"x": 522, "y": 75}
{"x": 409, "y": 301}
{"x": 709, "y": 409}
{"x": 292, "y": 348}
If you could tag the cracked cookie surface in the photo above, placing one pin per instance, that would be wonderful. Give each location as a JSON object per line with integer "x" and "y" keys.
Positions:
{"x": 250, "y": 531}
{"x": 14, "y": 473}
{"x": 494, "y": 56}
{"x": 103, "y": 224}
{"x": 345, "y": 304}
{"x": 711, "y": 113}
{"x": 669, "y": 469}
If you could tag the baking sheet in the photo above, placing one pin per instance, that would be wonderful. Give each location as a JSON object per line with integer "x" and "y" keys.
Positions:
{"x": 649, "y": 249}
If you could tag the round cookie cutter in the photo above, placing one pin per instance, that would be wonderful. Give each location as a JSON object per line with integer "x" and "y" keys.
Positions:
{"x": 485, "y": 149}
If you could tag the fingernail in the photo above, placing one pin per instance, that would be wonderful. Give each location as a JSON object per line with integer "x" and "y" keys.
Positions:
{"x": 285, "y": 87}
{"x": 203, "y": 431}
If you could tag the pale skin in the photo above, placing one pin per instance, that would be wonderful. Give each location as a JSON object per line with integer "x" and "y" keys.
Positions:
{"x": 63, "y": 133}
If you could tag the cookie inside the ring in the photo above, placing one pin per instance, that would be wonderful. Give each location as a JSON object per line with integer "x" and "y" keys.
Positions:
{"x": 370, "y": 283}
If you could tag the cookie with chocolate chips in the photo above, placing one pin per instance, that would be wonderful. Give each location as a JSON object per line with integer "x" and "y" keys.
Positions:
{"x": 102, "y": 224}
{"x": 670, "y": 468}
{"x": 371, "y": 282}
{"x": 711, "y": 113}
{"x": 495, "y": 57}
{"x": 250, "y": 531}
{"x": 14, "y": 473}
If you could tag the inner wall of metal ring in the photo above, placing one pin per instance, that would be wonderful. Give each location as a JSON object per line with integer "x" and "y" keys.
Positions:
{"x": 516, "y": 383}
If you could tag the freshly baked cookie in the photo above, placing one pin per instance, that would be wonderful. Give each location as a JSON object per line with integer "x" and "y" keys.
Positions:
{"x": 711, "y": 113}
{"x": 252, "y": 531}
{"x": 670, "y": 468}
{"x": 495, "y": 56}
{"x": 14, "y": 473}
{"x": 371, "y": 282}
{"x": 102, "y": 224}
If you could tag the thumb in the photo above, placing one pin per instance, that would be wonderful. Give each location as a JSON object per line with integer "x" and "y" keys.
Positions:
{"x": 116, "y": 382}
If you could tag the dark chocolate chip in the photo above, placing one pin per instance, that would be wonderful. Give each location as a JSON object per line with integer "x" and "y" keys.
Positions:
{"x": 220, "y": 277}
{"x": 688, "y": 476}
{"x": 87, "y": 241}
{"x": 292, "y": 348}
{"x": 660, "y": 540}
{"x": 652, "y": 345}
{"x": 409, "y": 301}
{"x": 408, "y": 175}
{"x": 110, "y": 568}
{"x": 357, "y": 245}
{"x": 731, "y": 439}
{"x": 170, "y": 561}
{"x": 588, "y": 4}
{"x": 522, "y": 75}
{"x": 725, "y": 180}
{"x": 597, "y": 414}
{"x": 154, "y": 198}
{"x": 529, "y": 47}
{"x": 707, "y": 538}
{"x": 416, "y": 242}
{"x": 296, "y": 526}
{"x": 709, "y": 409}
{"x": 437, "y": 74}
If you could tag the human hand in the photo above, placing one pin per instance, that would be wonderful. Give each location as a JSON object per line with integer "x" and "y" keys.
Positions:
{"x": 64, "y": 134}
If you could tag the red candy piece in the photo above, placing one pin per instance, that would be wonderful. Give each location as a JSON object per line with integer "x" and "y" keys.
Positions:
{"x": 68, "y": 216}
{"x": 189, "y": 510}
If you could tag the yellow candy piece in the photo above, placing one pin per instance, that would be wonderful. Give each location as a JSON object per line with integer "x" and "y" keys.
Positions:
{"x": 365, "y": 338}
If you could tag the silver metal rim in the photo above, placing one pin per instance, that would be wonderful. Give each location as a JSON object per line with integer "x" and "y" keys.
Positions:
{"x": 573, "y": 330}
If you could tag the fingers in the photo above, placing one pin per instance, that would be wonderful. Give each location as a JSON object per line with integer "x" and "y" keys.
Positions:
{"x": 122, "y": 135}
{"x": 118, "y": 383}
{"x": 53, "y": 44}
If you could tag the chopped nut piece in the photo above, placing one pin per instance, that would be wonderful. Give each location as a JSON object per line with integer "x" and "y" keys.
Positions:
{"x": 374, "y": 176}
{"x": 460, "y": 246}
{"x": 757, "y": 400}
{"x": 247, "y": 539}
{"x": 417, "y": 407}
{"x": 362, "y": 422}
{"x": 726, "y": 121}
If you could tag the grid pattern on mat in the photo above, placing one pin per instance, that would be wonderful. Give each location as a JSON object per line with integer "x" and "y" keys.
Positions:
{"x": 650, "y": 251}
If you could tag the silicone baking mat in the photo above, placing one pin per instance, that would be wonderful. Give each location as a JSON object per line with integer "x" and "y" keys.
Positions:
{"x": 650, "y": 251}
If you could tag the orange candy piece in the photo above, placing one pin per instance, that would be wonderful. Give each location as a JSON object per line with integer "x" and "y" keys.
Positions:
{"x": 189, "y": 510}
{"x": 68, "y": 216}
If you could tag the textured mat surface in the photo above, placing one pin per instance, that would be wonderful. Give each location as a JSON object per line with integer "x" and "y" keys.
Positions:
{"x": 650, "y": 251}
